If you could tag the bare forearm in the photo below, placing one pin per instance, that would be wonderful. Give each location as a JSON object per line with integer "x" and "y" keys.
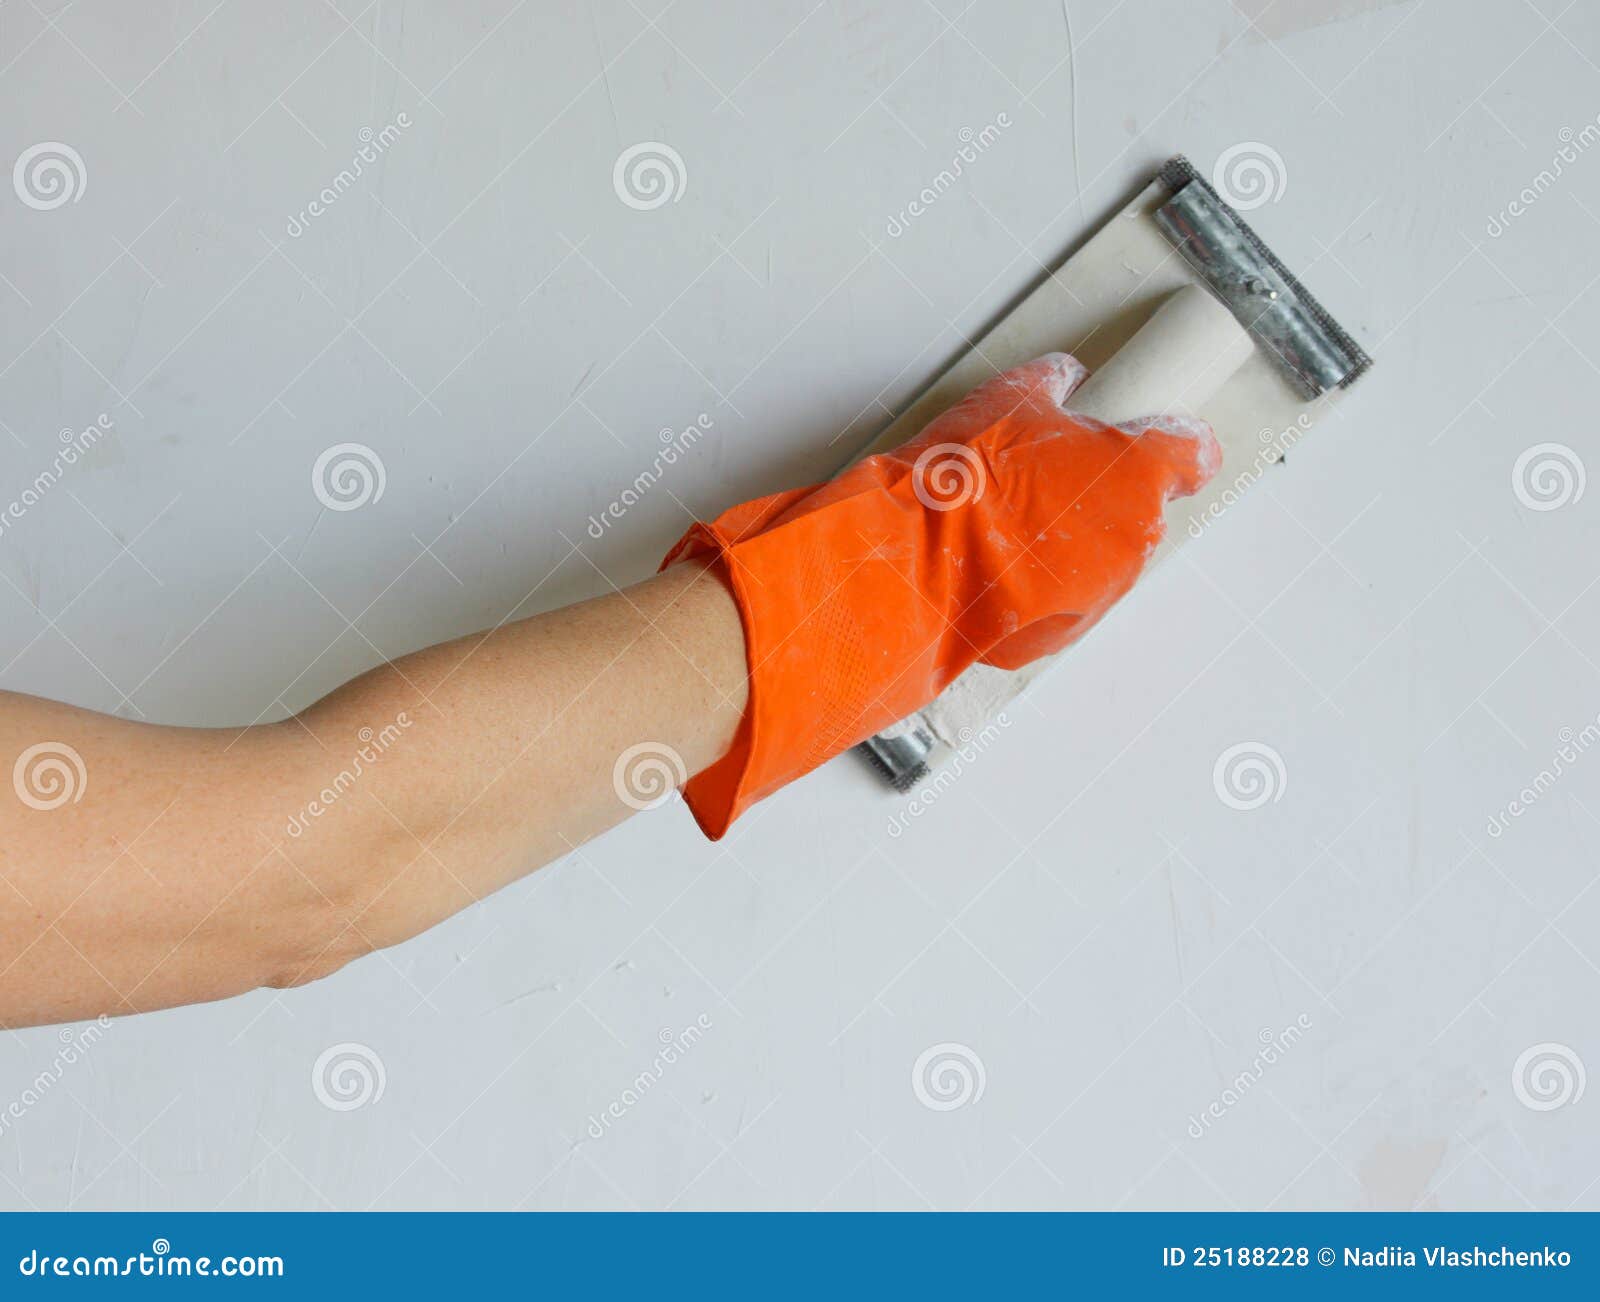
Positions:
{"x": 507, "y": 757}
{"x": 190, "y": 864}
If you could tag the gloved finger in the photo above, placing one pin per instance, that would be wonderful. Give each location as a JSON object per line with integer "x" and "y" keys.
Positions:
{"x": 1046, "y": 382}
{"x": 1185, "y": 446}
{"x": 1043, "y": 637}
{"x": 1055, "y": 377}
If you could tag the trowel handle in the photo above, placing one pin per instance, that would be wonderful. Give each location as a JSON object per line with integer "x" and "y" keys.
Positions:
{"x": 1173, "y": 364}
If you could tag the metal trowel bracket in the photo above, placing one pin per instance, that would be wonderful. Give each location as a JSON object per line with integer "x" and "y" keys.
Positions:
{"x": 1314, "y": 353}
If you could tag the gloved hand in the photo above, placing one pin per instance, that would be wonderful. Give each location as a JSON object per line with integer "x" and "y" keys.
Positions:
{"x": 1001, "y": 533}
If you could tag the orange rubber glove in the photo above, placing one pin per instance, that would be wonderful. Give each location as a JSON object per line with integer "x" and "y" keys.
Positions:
{"x": 1000, "y": 533}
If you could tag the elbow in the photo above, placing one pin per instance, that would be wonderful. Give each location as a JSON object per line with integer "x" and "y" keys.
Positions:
{"x": 305, "y": 967}
{"x": 337, "y": 891}
{"x": 335, "y": 902}
{"x": 311, "y": 940}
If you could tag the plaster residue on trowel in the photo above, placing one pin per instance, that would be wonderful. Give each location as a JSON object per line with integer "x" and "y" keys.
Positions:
{"x": 966, "y": 707}
{"x": 970, "y": 703}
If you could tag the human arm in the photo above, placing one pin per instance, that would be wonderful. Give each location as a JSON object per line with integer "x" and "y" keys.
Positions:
{"x": 168, "y": 873}
{"x": 181, "y": 865}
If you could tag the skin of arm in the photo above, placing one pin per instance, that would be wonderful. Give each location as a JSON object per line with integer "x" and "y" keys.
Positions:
{"x": 192, "y": 864}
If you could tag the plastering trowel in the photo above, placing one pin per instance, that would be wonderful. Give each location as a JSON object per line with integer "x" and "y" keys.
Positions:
{"x": 1176, "y": 307}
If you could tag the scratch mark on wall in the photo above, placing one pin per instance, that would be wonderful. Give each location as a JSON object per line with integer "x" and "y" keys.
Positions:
{"x": 1072, "y": 72}
{"x": 1272, "y": 20}
{"x": 605, "y": 77}
{"x": 1177, "y": 926}
{"x": 309, "y": 534}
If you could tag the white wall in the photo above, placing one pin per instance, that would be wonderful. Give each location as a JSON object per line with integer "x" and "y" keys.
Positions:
{"x": 1079, "y": 910}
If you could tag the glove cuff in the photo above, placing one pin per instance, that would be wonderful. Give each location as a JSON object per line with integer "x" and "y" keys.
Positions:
{"x": 837, "y": 643}
{"x": 715, "y": 795}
